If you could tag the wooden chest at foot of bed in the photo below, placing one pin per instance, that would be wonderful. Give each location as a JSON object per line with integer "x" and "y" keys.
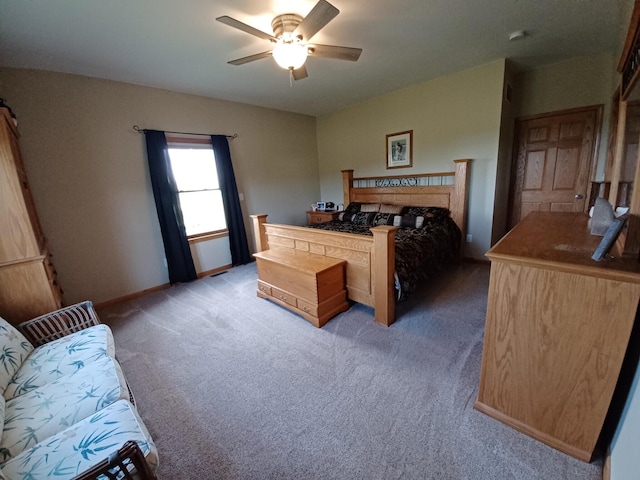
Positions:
{"x": 312, "y": 286}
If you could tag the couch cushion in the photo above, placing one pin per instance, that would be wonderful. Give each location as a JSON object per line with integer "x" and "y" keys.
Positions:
{"x": 2, "y": 405}
{"x": 49, "y": 409}
{"x": 14, "y": 349}
{"x": 77, "y": 448}
{"x": 62, "y": 357}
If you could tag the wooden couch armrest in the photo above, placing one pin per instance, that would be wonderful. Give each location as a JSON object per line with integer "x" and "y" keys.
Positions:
{"x": 126, "y": 463}
{"x": 53, "y": 325}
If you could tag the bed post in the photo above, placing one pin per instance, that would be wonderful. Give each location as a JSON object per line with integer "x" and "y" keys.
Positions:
{"x": 384, "y": 301}
{"x": 258, "y": 231}
{"x": 459, "y": 198}
{"x": 347, "y": 183}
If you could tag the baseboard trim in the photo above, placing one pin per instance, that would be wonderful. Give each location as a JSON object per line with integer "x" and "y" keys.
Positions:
{"x": 606, "y": 467}
{"x": 158, "y": 288}
{"x": 214, "y": 271}
{"x": 132, "y": 296}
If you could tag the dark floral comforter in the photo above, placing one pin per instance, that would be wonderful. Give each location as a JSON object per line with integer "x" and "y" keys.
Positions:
{"x": 420, "y": 252}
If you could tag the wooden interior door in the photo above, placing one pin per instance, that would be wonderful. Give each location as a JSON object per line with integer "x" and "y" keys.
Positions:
{"x": 553, "y": 158}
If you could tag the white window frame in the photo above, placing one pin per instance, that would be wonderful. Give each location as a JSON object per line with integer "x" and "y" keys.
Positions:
{"x": 187, "y": 142}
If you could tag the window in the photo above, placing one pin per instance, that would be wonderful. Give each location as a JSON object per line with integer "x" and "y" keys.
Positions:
{"x": 194, "y": 170}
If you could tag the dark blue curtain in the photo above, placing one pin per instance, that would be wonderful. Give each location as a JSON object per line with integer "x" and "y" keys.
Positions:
{"x": 165, "y": 192}
{"x": 232, "y": 211}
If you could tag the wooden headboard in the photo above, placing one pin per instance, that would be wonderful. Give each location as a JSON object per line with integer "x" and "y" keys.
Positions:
{"x": 448, "y": 190}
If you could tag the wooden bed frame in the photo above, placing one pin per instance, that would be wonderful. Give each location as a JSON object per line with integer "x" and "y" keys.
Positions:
{"x": 371, "y": 260}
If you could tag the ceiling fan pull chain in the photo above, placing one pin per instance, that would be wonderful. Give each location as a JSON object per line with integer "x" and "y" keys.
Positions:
{"x": 291, "y": 77}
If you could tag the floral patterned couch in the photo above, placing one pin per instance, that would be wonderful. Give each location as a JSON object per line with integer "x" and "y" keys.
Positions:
{"x": 65, "y": 404}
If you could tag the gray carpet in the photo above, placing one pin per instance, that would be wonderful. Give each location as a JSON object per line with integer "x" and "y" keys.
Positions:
{"x": 232, "y": 386}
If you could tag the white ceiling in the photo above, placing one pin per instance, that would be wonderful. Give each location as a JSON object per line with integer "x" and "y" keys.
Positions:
{"x": 178, "y": 45}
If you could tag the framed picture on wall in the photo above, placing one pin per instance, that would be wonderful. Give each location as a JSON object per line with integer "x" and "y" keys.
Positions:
{"x": 400, "y": 149}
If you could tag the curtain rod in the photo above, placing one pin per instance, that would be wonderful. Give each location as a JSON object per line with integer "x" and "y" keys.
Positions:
{"x": 142, "y": 130}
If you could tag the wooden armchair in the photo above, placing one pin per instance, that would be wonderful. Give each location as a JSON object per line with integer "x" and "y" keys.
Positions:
{"x": 116, "y": 421}
{"x": 126, "y": 463}
{"x": 53, "y": 325}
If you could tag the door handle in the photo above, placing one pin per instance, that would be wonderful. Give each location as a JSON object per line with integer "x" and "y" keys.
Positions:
{"x": 579, "y": 196}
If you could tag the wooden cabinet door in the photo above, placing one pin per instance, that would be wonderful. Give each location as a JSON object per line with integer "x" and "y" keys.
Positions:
{"x": 27, "y": 291}
{"x": 18, "y": 238}
{"x": 554, "y": 157}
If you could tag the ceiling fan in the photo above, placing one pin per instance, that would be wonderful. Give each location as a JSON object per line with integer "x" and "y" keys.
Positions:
{"x": 291, "y": 39}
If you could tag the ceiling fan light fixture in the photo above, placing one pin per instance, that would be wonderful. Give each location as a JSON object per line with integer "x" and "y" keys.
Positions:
{"x": 290, "y": 40}
{"x": 290, "y": 54}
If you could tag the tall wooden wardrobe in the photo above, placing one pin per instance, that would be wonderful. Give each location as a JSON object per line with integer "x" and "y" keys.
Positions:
{"x": 28, "y": 284}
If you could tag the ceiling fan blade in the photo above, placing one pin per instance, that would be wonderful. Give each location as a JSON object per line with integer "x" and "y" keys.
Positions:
{"x": 321, "y": 14}
{"x": 331, "y": 51}
{"x": 232, "y": 22}
{"x": 250, "y": 58}
{"x": 300, "y": 73}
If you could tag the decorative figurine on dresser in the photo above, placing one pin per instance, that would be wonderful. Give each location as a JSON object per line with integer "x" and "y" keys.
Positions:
{"x": 28, "y": 284}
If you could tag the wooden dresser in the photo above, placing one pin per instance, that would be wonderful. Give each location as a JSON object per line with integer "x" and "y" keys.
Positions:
{"x": 28, "y": 284}
{"x": 307, "y": 284}
{"x": 557, "y": 329}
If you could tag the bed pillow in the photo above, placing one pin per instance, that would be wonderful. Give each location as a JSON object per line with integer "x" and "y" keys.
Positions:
{"x": 387, "y": 208}
{"x": 383, "y": 219}
{"x": 429, "y": 213}
{"x": 363, "y": 218}
{"x": 370, "y": 207}
{"x": 410, "y": 221}
{"x": 349, "y": 212}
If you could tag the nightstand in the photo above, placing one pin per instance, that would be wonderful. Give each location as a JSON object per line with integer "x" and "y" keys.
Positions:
{"x": 322, "y": 216}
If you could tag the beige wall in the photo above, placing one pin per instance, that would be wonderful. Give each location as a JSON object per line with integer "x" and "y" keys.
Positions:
{"x": 457, "y": 116}
{"x": 87, "y": 169}
{"x": 579, "y": 82}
